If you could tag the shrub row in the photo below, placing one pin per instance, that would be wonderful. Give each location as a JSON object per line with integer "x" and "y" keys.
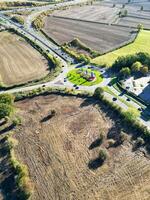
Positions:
{"x": 18, "y": 19}
{"x": 46, "y": 91}
{"x": 18, "y": 4}
{"x": 22, "y": 180}
{"x": 77, "y": 56}
{"x": 77, "y": 43}
{"x": 38, "y": 22}
{"x": 127, "y": 119}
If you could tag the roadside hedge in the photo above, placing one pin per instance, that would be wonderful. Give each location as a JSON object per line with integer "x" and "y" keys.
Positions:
{"x": 131, "y": 123}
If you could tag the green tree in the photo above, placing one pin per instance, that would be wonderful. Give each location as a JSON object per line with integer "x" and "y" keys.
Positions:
{"x": 5, "y": 110}
{"x": 125, "y": 72}
{"x": 6, "y": 99}
{"x": 99, "y": 92}
{"x": 131, "y": 114}
{"x": 144, "y": 70}
{"x": 136, "y": 67}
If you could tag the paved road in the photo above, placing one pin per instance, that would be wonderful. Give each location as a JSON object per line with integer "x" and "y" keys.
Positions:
{"x": 53, "y": 49}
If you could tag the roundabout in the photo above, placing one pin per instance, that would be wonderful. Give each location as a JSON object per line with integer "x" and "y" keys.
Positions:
{"x": 85, "y": 77}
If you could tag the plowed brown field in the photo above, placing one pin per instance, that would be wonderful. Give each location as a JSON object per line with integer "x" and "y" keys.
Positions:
{"x": 19, "y": 62}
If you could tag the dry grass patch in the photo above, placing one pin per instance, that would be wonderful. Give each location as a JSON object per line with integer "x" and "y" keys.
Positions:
{"x": 57, "y": 152}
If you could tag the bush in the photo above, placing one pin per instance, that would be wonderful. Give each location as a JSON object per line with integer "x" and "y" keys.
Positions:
{"x": 99, "y": 92}
{"x": 18, "y": 19}
{"x": 111, "y": 142}
{"x": 5, "y": 110}
{"x": 125, "y": 72}
{"x": 16, "y": 121}
{"x": 144, "y": 70}
{"x": 6, "y": 99}
{"x": 136, "y": 66}
{"x": 101, "y": 137}
{"x": 139, "y": 142}
{"x": 128, "y": 61}
{"x": 123, "y": 137}
{"x": 103, "y": 154}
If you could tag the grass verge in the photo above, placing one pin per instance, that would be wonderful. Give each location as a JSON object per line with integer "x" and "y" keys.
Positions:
{"x": 76, "y": 78}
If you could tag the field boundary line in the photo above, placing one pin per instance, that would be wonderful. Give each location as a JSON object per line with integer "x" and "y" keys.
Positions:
{"x": 95, "y": 22}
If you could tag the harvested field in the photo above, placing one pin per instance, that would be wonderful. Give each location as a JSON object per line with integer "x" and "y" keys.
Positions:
{"x": 19, "y": 61}
{"x": 97, "y": 12}
{"x": 134, "y": 21}
{"x": 97, "y": 36}
{"x": 57, "y": 152}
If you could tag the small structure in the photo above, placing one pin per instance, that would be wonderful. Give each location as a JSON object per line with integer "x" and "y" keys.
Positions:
{"x": 92, "y": 76}
{"x": 87, "y": 74}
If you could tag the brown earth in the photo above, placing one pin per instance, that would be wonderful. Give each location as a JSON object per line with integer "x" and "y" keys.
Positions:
{"x": 99, "y": 12}
{"x": 96, "y": 36}
{"x": 57, "y": 152}
{"x": 19, "y": 62}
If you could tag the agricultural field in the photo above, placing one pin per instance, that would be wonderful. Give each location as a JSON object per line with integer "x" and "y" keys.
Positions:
{"x": 141, "y": 44}
{"x": 97, "y": 12}
{"x": 96, "y": 36}
{"x": 58, "y": 150}
{"x": 19, "y": 61}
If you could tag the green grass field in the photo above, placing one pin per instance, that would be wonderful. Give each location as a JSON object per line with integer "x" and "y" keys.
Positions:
{"x": 77, "y": 79}
{"x": 141, "y": 44}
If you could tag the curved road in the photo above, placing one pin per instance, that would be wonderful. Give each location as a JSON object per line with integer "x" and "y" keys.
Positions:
{"x": 55, "y": 50}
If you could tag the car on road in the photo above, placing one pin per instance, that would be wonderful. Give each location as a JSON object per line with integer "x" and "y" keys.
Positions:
{"x": 77, "y": 87}
{"x": 128, "y": 99}
{"x": 140, "y": 109}
{"x": 74, "y": 85}
{"x": 114, "y": 99}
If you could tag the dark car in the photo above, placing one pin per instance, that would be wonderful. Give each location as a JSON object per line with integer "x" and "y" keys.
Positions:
{"x": 77, "y": 87}
{"x": 114, "y": 99}
{"x": 140, "y": 109}
{"x": 74, "y": 85}
{"x": 128, "y": 99}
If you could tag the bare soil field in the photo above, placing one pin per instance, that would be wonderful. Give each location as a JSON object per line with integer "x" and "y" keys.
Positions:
{"x": 134, "y": 21}
{"x": 96, "y": 12}
{"x": 19, "y": 62}
{"x": 97, "y": 36}
{"x": 57, "y": 152}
